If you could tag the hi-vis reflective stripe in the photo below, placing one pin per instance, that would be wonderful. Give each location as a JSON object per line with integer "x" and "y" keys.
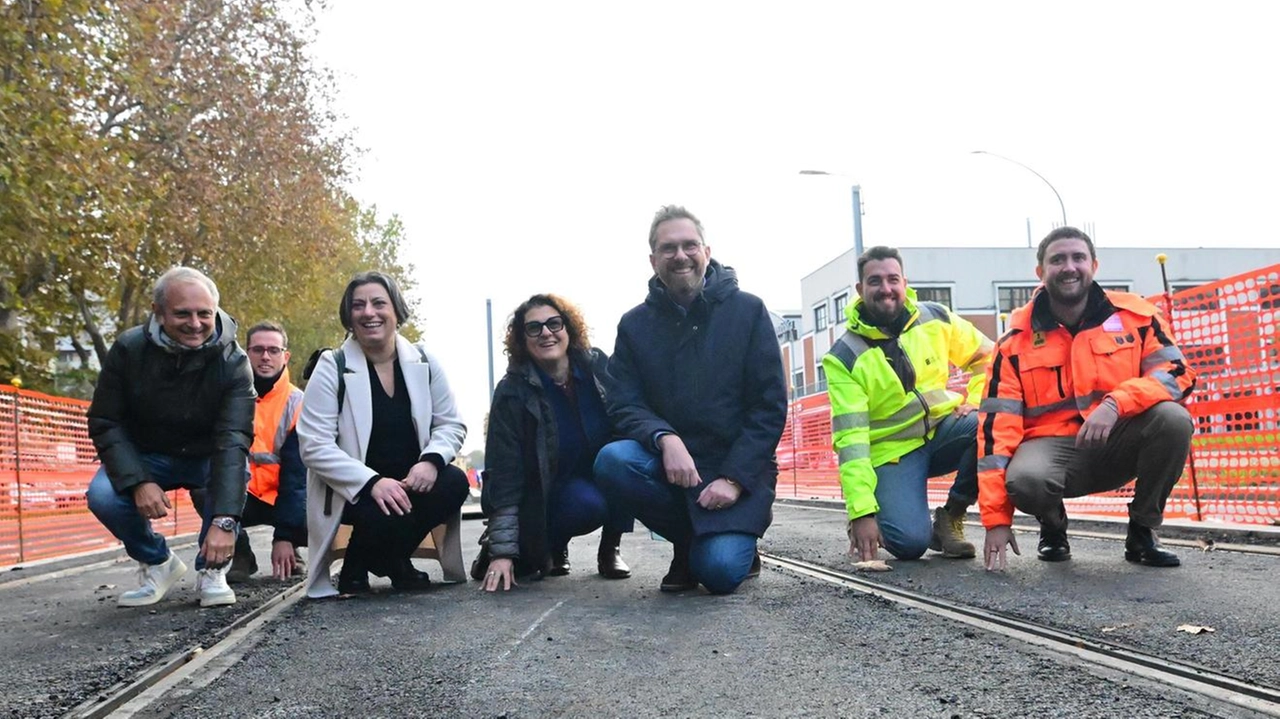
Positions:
{"x": 1085, "y": 401}
{"x": 849, "y": 420}
{"x": 1051, "y": 407}
{"x": 1170, "y": 384}
{"x": 1160, "y": 356}
{"x": 931, "y": 398}
{"x": 1001, "y": 406}
{"x": 264, "y": 458}
{"x": 915, "y": 431}
{"x": 286, "y": 419}
{"x": 993, "y": 461}
{"x": 855, "y": 452}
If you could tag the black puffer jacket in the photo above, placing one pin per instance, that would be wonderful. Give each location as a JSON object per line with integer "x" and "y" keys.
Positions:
{"x": 520, "y": 455}
{"x": 195, "y": 403}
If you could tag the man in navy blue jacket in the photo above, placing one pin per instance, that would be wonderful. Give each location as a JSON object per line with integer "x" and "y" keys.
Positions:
{"x": 696, "y": 388}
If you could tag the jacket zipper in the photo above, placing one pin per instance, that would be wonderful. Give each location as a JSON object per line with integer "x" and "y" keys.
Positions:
{"x": 1062, "y": 393}
{"x": 924, "y": 404}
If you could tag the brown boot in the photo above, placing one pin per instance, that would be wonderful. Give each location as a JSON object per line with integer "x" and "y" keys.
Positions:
{"x": 948, "y": 536}
{"x": 609, "y": 557}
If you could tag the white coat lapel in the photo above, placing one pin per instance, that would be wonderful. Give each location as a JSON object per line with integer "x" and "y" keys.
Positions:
{"x": 358, "y": 395}
{"x": 417, "y": 379}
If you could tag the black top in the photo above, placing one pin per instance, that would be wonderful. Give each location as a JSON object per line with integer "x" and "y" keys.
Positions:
{"x": 393, "y": 441}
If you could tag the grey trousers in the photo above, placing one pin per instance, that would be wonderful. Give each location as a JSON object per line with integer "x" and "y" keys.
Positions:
{"x": 1151, "y": 446}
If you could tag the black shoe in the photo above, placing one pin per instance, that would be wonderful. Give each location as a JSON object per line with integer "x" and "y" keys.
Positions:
{"x": 679, "y": 578}
{"x": 1142, "y": 546}
{"x": 407, "y": 578}
{"x": 609, "y": 557}
{"x": 559, "y": 563}
{"x": 1054, "y": 546}
{"x": 354, "y": 578}
{"x": 755, "y": 567}
{"x": 481, "y": 564}
{"x": 243, "y": 565}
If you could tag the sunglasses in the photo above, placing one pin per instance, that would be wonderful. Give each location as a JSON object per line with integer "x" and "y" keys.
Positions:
{"x": 533, "y": 329}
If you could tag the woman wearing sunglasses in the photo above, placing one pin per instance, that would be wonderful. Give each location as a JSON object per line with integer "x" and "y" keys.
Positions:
{"x": 546, "y": 424}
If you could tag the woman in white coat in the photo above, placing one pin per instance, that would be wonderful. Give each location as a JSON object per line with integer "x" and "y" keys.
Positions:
{"x": 377, "y": 442}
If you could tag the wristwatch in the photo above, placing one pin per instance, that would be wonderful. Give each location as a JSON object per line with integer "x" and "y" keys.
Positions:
{"x": 226, "y": 524}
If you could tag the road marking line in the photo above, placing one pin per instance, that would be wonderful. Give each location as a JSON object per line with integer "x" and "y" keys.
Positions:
{"x": 532, "y": 628}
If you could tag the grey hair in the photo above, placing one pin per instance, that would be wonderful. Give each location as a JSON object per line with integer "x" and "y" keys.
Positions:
{"x": 671, "y": 212}
{"x": 179, "y": 275}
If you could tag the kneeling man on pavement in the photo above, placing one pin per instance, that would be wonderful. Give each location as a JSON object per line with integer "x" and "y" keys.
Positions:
{"x": 894, "y": 423}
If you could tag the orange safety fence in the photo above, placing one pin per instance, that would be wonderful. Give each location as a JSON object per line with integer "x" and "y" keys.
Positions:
{"x": 46, "y": 462}
{"x": 1228, "y": 332}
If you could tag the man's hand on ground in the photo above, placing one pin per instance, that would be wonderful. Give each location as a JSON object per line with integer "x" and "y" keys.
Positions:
{"x": 282, "y": 559}
{"x": 994, "y": 555}
{"x": 677, "y": 463}
{"x": 864, "y": 538}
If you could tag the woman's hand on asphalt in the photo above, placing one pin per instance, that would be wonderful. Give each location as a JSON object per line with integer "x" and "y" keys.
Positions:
{"x": 501, "y": 574}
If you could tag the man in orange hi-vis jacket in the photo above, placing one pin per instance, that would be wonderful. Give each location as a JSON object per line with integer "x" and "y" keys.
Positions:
{"x": 1085, "y": 393}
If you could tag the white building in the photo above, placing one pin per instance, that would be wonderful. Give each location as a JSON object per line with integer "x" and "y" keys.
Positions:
{"x": 983, "y": 283}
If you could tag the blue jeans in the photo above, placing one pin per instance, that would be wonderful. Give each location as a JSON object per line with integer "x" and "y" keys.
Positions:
{"x": 633, "y": 479}
{"x": 576, "y": 507}
{"x": 902, "y": 487}
{"x": 119, "y": 514}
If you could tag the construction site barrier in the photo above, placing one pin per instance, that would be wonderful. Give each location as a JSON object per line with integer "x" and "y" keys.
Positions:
{"x": 46, "y": 462}
{"x": 1228, "y": 332}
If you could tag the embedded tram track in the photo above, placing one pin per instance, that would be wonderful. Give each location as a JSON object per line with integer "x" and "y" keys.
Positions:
{"x": 1215, "y": 686}
{"x": 159, "y": 677}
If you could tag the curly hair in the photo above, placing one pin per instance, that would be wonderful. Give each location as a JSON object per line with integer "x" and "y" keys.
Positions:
{"x": 574, "y": 324}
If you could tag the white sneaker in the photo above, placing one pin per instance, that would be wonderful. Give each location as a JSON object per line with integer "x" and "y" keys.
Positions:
{"x": 212, "y": 585}
{"x": 155, "y": 581}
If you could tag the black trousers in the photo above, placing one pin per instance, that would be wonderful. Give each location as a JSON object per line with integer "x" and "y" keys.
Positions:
{"x": 379, "y": 542}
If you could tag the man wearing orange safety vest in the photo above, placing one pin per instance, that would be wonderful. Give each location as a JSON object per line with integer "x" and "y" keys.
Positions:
{"x": 1085, "y": 394}
{"x": 277, "y": 478}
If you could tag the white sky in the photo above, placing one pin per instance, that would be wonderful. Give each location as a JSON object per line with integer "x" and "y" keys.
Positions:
{"x": 527, "y": 145}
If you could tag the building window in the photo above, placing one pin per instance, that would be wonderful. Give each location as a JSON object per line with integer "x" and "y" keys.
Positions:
{"x": 1115, "y": 287}
{"x": 822, "y": 380}
{"x": 820, "y": 317}
{"x": 1011, "y": 298}
{"x": 841, "y": 302}
{"x": 941, "y": 295}
{"x": 1180, "y": 286}
{"x": 797, "y": 379}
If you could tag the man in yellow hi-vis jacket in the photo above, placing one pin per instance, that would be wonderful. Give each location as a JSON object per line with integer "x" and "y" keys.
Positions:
{"x": 894, "y": 422}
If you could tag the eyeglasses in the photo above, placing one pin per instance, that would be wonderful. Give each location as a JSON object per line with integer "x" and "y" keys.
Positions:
{"x": 260, "y": 350}
{"x": 533, "y": 329}
{"x": 689, "y": 247}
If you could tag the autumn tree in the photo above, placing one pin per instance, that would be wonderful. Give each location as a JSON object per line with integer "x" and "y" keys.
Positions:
{"x": 141, "y": 134}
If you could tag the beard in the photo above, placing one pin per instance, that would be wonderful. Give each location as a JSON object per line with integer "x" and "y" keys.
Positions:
{"x": 1068, "y": 295}
{"x": 878, "y": 315}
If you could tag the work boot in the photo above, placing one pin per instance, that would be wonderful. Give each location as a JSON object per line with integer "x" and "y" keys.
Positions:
{"x": 155, "y": 581}
{"x": 1141, "y": 546}
{"x": 1053, "y": 546}
{"x": 243, "y": 565}
{"x": 212, "y": 585}
{"x": 679, "y": 577}
{"x": 559, "y": 562}
{"x": 948, "y": 536}
{"x": 609, "y": 556}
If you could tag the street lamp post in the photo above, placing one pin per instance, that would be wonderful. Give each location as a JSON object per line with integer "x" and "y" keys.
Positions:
{"x": 857, "y": 210}
{"x": 1028, "y": 169}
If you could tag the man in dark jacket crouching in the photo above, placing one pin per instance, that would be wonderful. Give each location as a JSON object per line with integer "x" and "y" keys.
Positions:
{"x": 696, "y": 386}
{"x": 174, "y": 408}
